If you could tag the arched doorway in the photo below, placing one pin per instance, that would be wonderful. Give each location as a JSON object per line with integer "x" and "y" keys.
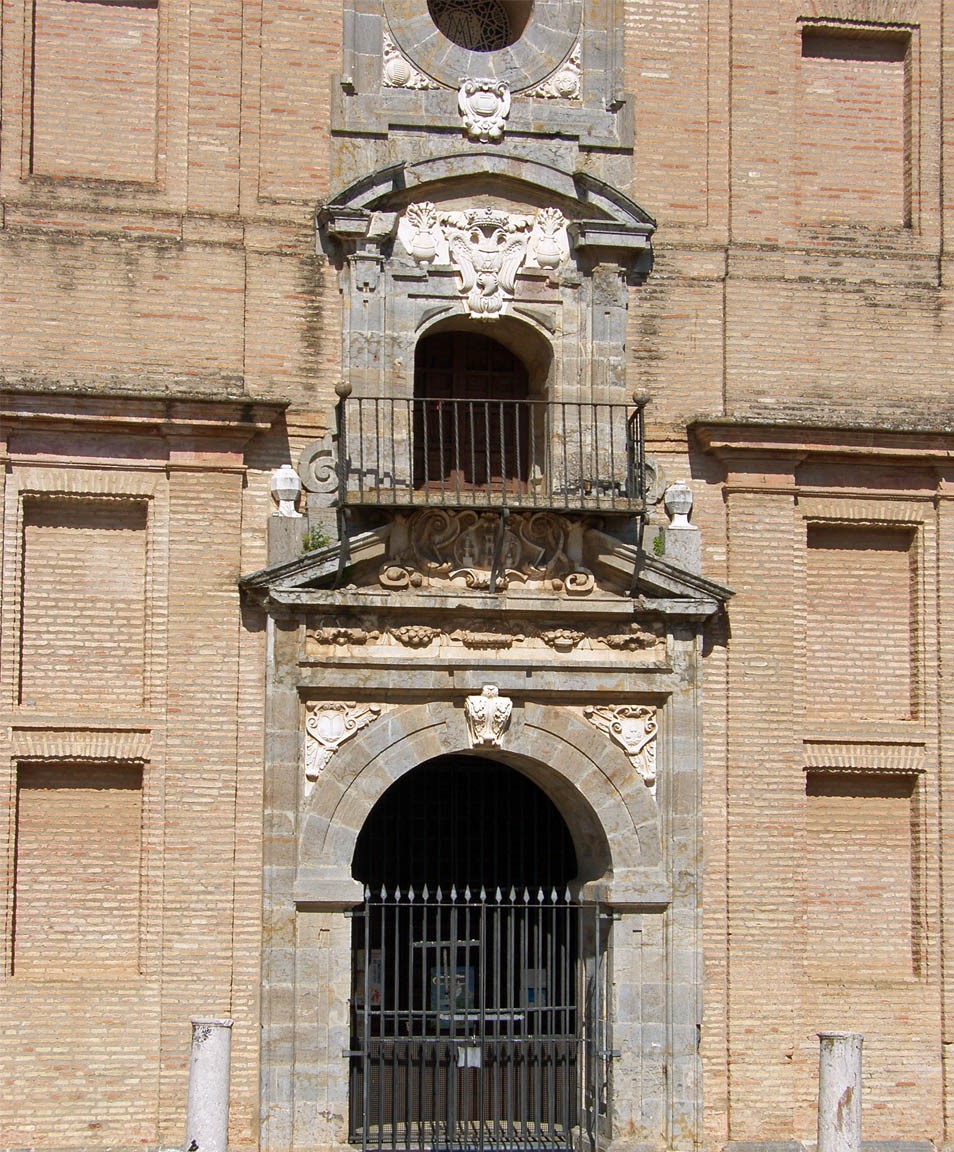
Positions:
{"x": 477, "y": 980}
{"x": 474, "y": 426}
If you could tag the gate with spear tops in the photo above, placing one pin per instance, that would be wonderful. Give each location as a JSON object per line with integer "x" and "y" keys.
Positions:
{"x": 478, "y": 1020}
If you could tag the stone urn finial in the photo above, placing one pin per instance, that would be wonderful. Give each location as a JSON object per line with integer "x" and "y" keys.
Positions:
{"x": 678, "y": 503}
{"x": 285, "y": 488}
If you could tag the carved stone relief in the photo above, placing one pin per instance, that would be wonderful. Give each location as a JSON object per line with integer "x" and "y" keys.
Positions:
{"x": 399, "y": 72}
{"x": 463, "y": 547}
{"x": 327, "y": 727}
{"x": 317, "y": 466}
{"x": 488, "y": 716}
{"x": 633, "y": 727}
{"x": 342, "y": 634}
{"x": 484, "y": 106}
{"x": 482, "y": 635}
{"x": 564, "y": 83}
{"x": 488, "y": 247}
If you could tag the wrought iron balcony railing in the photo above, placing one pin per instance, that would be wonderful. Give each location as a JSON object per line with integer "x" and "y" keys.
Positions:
{"x": 533, "y": 454}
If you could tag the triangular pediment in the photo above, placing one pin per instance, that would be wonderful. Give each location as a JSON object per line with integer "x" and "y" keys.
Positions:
{"x": 440, "y": 561}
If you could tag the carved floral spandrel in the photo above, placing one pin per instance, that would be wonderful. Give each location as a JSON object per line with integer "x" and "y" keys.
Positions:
{"x": 488, "y": 717}
{"x": 327, "y": 727}
{"x": 564, "y": 83}
{"x": 398, "y": 72}
{"x": 459, "y": 547}
{"x": 633, "y": 727}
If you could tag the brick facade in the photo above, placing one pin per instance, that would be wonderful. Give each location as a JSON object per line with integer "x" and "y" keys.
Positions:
{"x": 173, "y": 329}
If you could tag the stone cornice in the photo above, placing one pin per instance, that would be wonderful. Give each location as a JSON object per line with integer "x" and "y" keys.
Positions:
{"x": 163, "y": 415}
{"x": 735, "y": 440}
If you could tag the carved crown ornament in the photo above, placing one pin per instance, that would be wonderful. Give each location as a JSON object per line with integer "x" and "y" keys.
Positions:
{"x": 474, "y": 550}
{"x": 327, "y": 727}
{"x": 488, "y": 246}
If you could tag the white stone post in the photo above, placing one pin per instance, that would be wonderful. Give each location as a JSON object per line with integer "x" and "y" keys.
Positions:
{"x": 207, "y": 1116}
{"x": 839, "y": 1092}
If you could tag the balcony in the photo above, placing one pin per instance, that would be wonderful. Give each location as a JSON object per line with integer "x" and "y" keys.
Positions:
{"x": 491, "y": 454}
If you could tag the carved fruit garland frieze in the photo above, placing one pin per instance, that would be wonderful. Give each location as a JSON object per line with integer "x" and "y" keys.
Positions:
{"x": 633, "y": 727}
{"x": 346, "y": 632}
{"x": 460, "y": 547}
{"x": 327, "y": 727}
{"x": 488, "y": 247}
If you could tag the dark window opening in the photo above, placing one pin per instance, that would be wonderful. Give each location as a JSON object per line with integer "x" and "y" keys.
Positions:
{"x": 465, "y": 820}
{"x": 473, "y": 424}
{"x": 480, "y": 25}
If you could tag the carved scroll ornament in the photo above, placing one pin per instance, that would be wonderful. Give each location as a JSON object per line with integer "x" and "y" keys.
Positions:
{"x": 443, "y": 545}
{"x": 633, "y": 727}
{"x": 488, "y": 716}
{"x": 327, "y": 727}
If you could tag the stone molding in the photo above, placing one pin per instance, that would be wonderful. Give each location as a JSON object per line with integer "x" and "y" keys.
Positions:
{"x": 69, "y": 481}
{"x": 633, "y": 728}
{"x": 869, "y": 756}
{"x": 860, "y": 510}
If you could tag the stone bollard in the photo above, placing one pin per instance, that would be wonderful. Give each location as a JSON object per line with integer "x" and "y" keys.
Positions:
{"x": 839, "y": 1092}
{"x": 207, "y": 1116}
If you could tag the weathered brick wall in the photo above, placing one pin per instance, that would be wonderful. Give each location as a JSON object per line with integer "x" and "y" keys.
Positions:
{"x": 159, "y": 172}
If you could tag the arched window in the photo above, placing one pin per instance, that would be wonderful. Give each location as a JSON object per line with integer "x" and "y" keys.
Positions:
{"x": 473, "y": 425}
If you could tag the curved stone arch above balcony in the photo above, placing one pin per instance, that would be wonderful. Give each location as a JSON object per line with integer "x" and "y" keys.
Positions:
{"x": 606, "y": 226}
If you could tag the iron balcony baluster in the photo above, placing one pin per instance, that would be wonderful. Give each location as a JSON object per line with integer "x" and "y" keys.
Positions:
{"x": 520, "y": 454}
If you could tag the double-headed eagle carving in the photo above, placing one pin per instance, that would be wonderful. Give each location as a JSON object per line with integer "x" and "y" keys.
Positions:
{"x": 488, "y": 248}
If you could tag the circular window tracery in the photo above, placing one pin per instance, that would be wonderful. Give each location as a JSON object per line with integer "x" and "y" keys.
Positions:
{"x": 477, "y": 25}
{"x": 540, "y": 36}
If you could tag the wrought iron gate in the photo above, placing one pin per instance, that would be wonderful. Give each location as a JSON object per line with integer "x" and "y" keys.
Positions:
{"x": 477, "y": 1021}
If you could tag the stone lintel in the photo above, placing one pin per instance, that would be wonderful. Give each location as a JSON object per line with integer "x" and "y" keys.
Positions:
{"x": 700, "y": 608}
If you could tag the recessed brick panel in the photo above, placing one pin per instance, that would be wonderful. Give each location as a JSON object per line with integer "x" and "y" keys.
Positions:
{"x": 852, "y": 152}
{"x": 77, "y": 870}
{"x": 83, "y": 603}
{"x": 95, "y": 89}
{"x": 860, "y": 848}
{"x": 861, "y": 633}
